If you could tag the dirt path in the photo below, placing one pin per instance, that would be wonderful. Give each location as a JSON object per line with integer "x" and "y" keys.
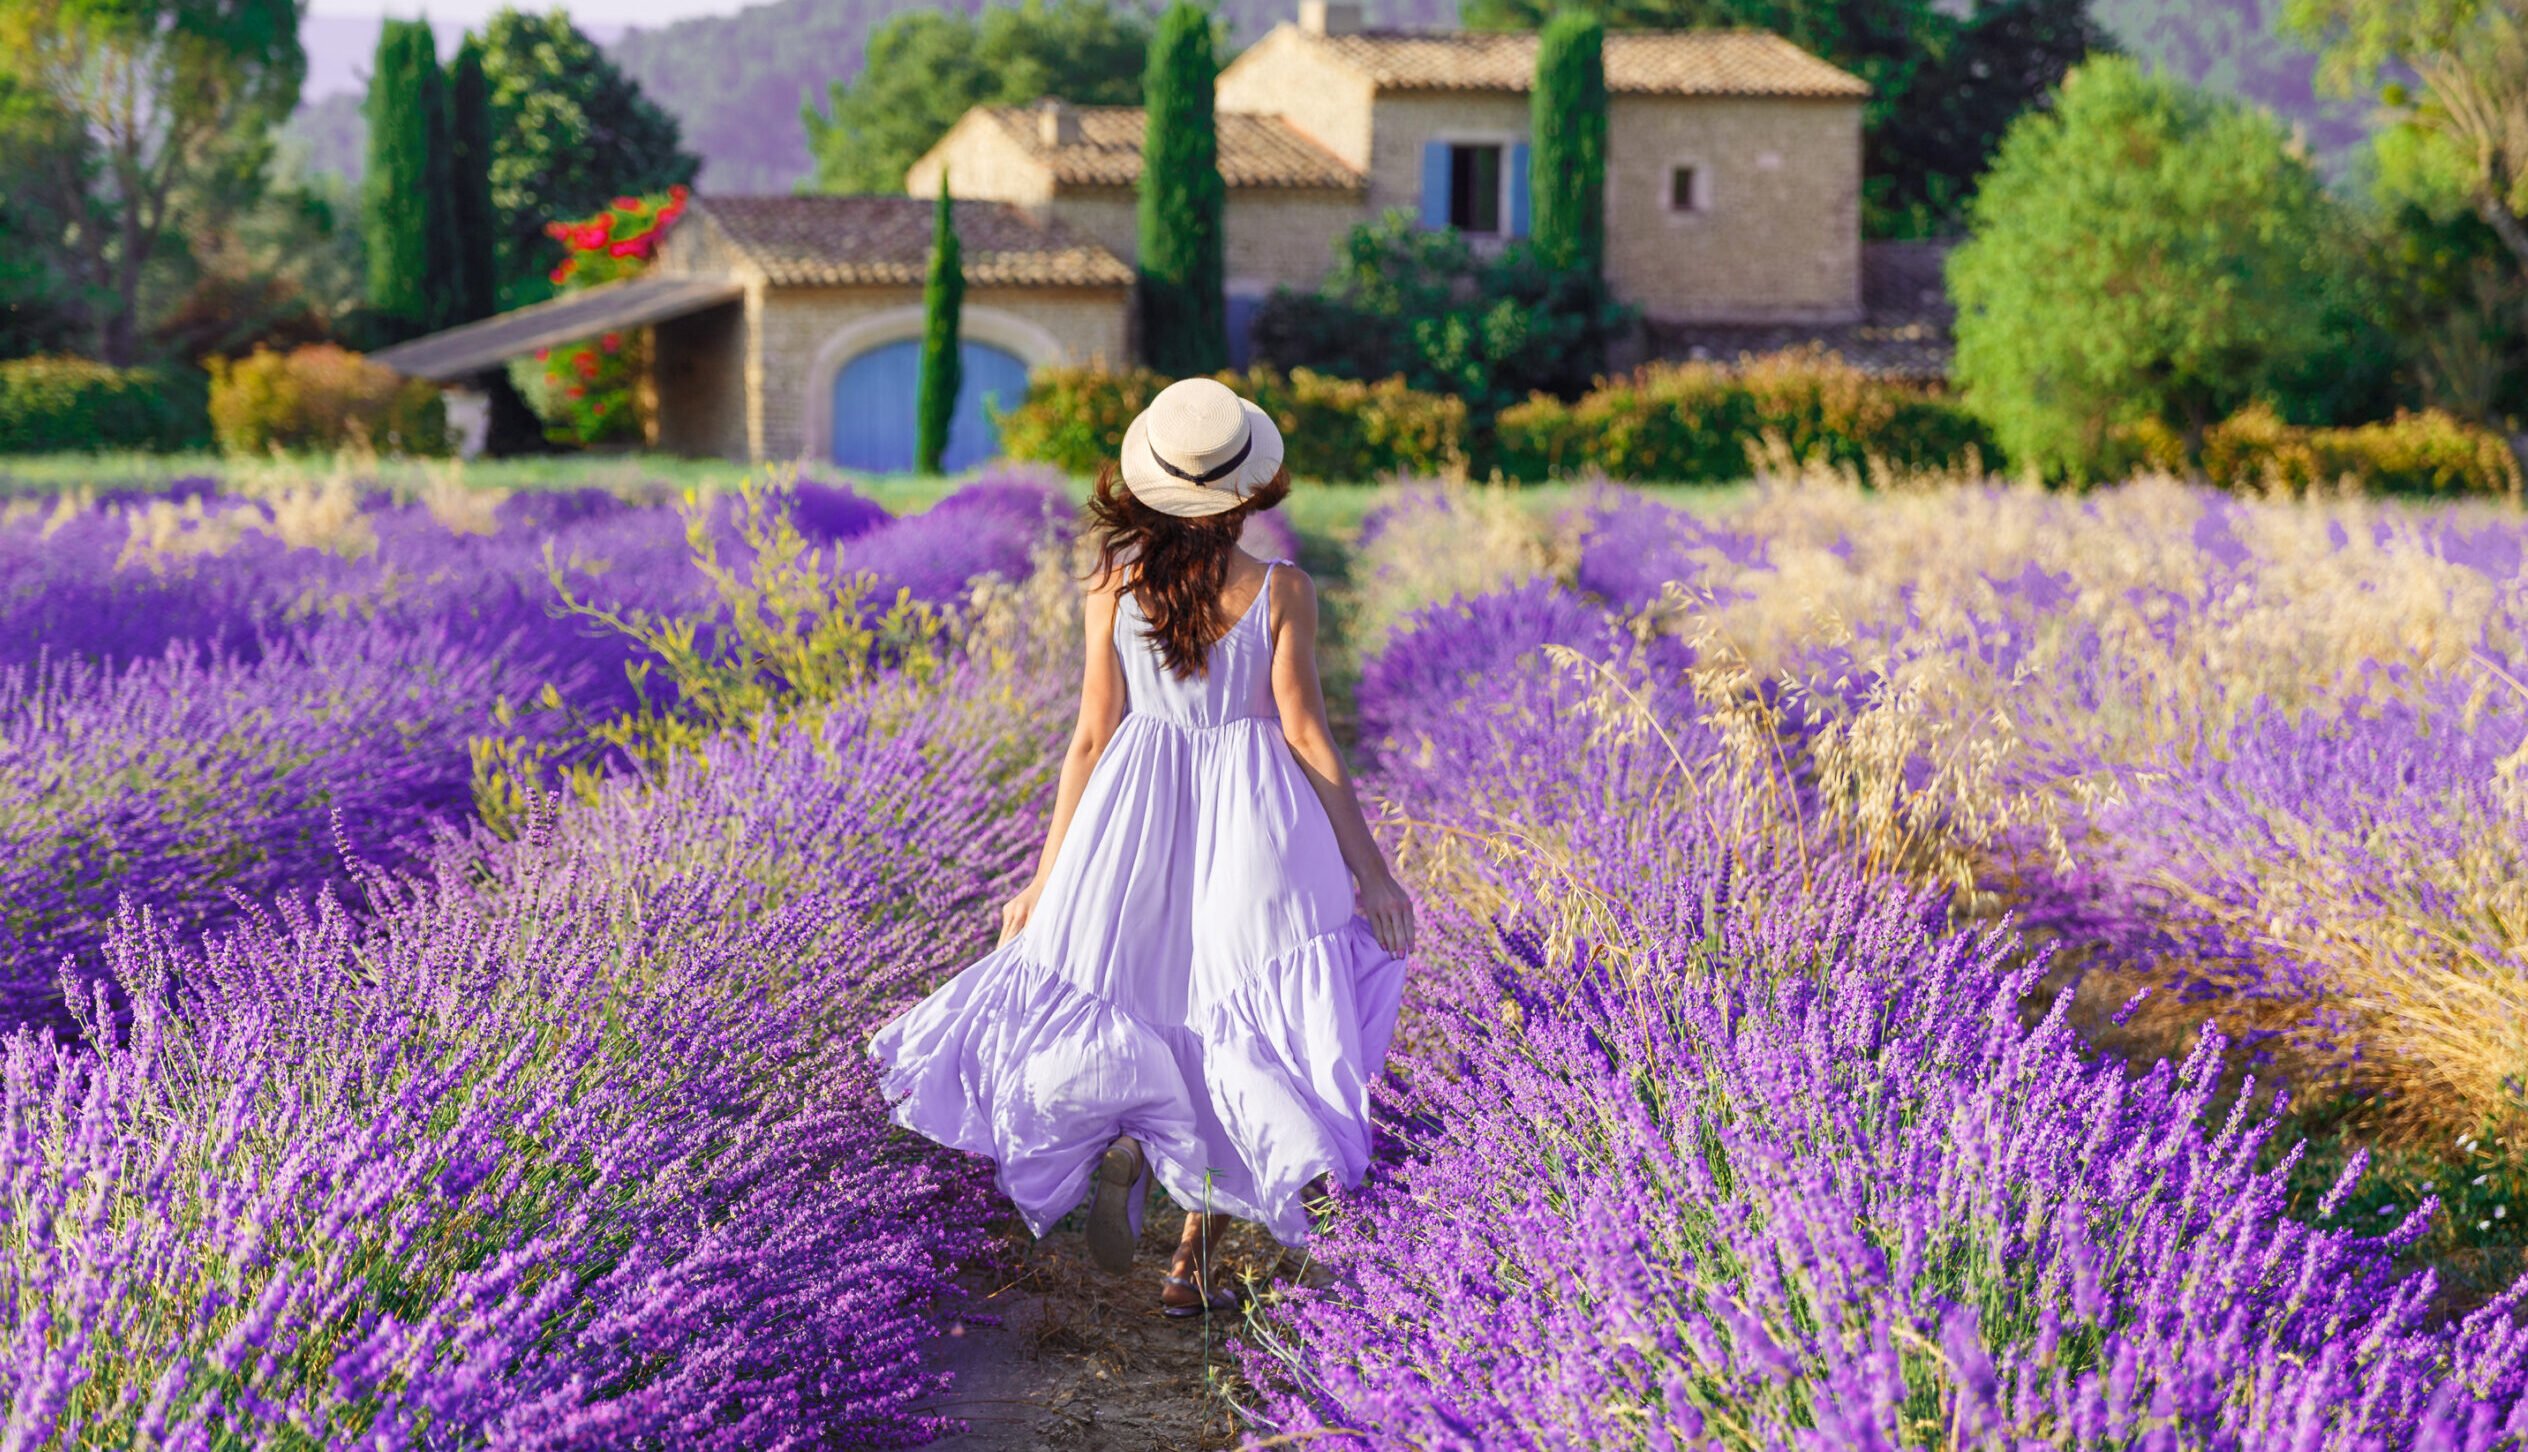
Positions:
{"x": 1082, "y": 1358}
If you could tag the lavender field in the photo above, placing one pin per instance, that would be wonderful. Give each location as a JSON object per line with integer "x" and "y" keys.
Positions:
{"x": 1919, "y": 967}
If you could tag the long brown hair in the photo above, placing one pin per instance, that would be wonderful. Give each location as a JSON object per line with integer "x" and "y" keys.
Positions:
{"x": 1178, "y": 563}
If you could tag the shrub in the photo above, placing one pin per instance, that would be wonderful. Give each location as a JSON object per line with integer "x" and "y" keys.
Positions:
{"x": 1490, "y": 327}
{"x": 1696, "y": 422}
{"x": 322, "y": 397}
{"x": 2415, "y": 453}
{"x": 1335, "y": 428}
{"x": 2144, "y": 251}
{"x": 72, "y": 403}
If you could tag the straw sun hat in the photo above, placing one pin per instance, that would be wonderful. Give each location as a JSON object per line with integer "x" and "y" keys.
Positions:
{"x": 1199, "y": 449}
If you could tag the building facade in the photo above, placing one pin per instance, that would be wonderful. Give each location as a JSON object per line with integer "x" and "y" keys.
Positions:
{"x": 788, "y": 327}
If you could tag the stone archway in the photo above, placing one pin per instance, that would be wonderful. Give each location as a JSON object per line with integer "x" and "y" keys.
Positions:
{"x": 1030, "y": 343}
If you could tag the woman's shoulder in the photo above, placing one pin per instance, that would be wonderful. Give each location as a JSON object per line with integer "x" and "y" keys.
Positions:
{"x": 1291, "y": 585}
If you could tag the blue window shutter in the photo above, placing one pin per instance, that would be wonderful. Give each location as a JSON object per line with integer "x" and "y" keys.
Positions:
{"x": 1517, "y": 163}
{"x": 1434, "y": 184}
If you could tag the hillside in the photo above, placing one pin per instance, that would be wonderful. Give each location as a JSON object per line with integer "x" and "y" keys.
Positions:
{"x": 736, "y": 82}
{"x": 2235, "y": 47}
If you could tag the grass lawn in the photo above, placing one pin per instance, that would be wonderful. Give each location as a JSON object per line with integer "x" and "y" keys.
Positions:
{"x": 1329, "y": 511}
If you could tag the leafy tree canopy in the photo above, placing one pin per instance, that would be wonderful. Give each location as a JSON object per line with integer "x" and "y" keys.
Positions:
{"x": 570, "y": 133}
{"x": 925, "y": 69}
{"x": 149, "y": 116}
{"x": 2455, "y": 70}
{"x": 2144, "y": 255}
{"x": 1945, "y": 80}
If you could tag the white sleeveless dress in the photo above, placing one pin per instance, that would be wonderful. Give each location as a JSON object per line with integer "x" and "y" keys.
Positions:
{"x": 1195, "y": 973}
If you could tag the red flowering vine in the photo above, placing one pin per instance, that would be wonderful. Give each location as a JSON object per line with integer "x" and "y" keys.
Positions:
{"x": 588, "y": 385}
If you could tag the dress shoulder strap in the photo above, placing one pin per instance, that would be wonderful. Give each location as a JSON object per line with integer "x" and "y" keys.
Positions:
{"x": 1266, "y": 591}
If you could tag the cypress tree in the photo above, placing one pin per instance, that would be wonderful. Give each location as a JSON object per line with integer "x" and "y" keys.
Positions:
{"x": 943, "y": 370}
{"x": 405, "y": 210}
{"x": 473, "y": 227}
{"x": 1567, "y": 160}
{"x": 1183, "y": 264}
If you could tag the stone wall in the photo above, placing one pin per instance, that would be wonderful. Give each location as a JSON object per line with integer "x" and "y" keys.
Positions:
{"x": 1778, "y": 235}
{"x": 1281, "y": 75}
{"x": 1277, "y": 235}
{"x": 984, "y": 163}
{"x": 1111, "y": 215}
{"x": 1408, "y": 119}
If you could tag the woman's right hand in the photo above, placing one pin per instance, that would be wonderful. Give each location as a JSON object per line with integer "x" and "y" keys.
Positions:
{"x": 1016, "y": 911}
{"x": 1390, "y": 913}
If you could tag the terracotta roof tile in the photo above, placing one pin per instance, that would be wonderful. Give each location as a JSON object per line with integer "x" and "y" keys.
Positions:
{"x": 1665, "y": 63}
{"x": 809, "y": 241}
{"x": 1255, "y": 151}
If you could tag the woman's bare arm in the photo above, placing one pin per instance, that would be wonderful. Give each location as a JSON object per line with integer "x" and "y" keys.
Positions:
{"x": 1101, "y": 711}
{"x": 1301, "y": 699}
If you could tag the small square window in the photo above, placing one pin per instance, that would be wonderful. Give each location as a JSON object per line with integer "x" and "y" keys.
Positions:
{"x": 1685, "y": 189}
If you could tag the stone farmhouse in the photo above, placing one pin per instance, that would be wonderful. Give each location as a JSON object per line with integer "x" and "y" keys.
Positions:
{"x": 787, "y": 327}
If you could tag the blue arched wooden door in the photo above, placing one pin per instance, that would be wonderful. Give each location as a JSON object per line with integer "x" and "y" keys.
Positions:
{"x": 875, "y": 395}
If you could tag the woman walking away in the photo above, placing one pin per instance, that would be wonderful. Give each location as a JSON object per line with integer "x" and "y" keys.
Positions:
{"x": 1202, "y": 979}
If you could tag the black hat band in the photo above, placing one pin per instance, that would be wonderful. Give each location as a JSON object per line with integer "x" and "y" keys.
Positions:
{"x": 1205, "y": 480}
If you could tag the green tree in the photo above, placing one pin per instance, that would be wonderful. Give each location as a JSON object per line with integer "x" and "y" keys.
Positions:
{"x": 570, "y": 133}
{"x": 927, "y": 68}
{"x": 35, "y": 310}
{"x": 2456, "y": 309}
{"x": 406, "y": 212}
{"x": 1183, "y": 261}
{"x": 943, "y": 365}
{"x": 473, "y": 223}
{"x": 1945, "y": 80}
{"x": 2454, "y": 70}
{"x": 1567, "y": 118}
{"x": 160, "y": 114}
{"x": 2143, "y": 254}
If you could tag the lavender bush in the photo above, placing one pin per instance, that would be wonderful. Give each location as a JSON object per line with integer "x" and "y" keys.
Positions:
{"x": 1714, "y": 1129}
{"x": 557, "y": 1140}
{"x": 196, "y": 688}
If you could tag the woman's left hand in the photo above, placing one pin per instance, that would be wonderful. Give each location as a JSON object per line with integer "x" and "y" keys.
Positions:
{"x": 1016, "y": 911}
{"x": 1390, "y": 913}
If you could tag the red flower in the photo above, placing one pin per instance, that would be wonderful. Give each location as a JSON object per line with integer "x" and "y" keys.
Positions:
{"x": 598, "y": 408}
{"x": 562, "y": 274}
{"x": 587, "y": 365}
{"x": 627, "y": 204}
{"x": 593, "y": 236}
{"x": 558, "y": 231}
{"x": 576, "y": 391}
{"x": 541, "y": 354}
{"x": 631, "y": 247}
{"x": 678, "y": 193}
{"x": 612, "y": 341}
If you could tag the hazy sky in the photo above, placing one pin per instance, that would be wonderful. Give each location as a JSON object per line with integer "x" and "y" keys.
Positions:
{"x": 613, "y": 13}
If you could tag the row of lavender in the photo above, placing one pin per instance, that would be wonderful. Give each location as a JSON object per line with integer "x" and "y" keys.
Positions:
{"x": 193, "y": 687}
{"x": 1723, "y": 1123}
{"x": 554, "y": 1139}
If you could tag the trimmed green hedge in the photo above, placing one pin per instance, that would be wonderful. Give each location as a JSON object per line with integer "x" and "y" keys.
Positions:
{"x": 50, "y": 405}
{"x": 1696, "y": 422}
{"x": 1335, "y": 428}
